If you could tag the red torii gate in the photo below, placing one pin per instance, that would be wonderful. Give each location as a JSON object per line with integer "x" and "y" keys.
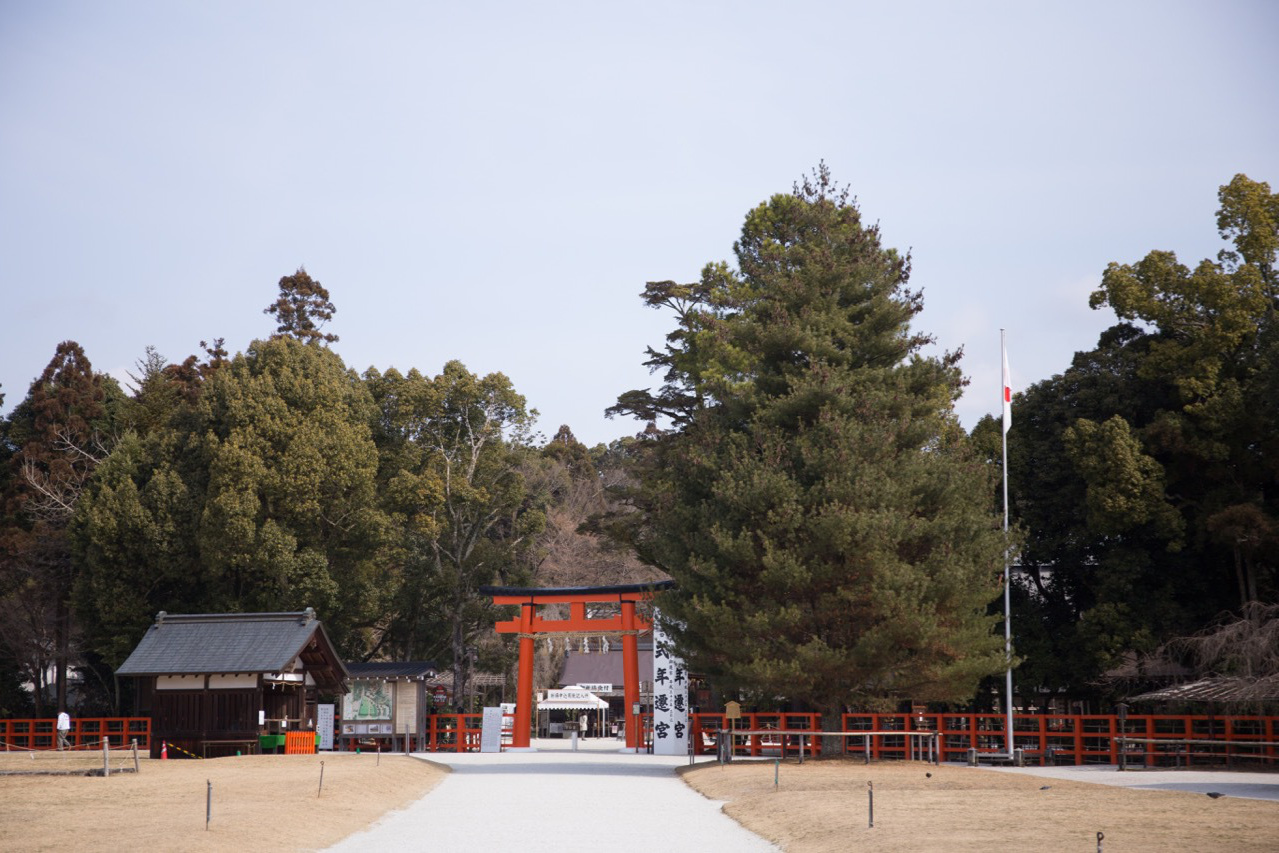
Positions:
{"x": 628, "y": 623}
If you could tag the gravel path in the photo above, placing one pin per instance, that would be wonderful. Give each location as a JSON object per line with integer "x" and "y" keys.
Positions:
{"x": 558, "y": 800}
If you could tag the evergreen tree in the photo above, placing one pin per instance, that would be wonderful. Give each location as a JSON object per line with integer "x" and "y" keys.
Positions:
{"x": 453, "y": 449}
{"x": 831, "y": 532}
{"x": 302, "y": 309}
{"x": 58, "y": 436}
{"x": 1144, "y": 473}
{"x": 260, "y": 496}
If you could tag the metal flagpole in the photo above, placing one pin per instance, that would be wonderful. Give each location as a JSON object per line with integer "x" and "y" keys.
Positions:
{"x": 1005, "y": 393}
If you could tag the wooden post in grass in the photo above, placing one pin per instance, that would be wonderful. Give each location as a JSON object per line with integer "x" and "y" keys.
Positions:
{"x": 870, "y": 803}
{"x": 137, "y": 768}
{"x": 321, "y": 789}
{"x": 106, "y": 757}
{"x": 208, "y": 804}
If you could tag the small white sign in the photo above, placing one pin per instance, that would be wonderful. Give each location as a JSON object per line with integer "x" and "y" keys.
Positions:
{"x": 569, "y": 696}
{"x": 491, "y": 730}
{"x": 324, "y": 725}
{"x": 598, "y": 688}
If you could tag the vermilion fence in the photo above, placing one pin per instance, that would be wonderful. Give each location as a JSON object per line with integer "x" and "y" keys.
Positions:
{"x": 85, "y": 732}
{"x": 1045, "y": 739}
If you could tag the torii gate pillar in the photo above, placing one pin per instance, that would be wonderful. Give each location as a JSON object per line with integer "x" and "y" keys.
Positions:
{"x": 630, "y": 675}
{"x": 524, "y": 682}
{"x": 628, "y": 623}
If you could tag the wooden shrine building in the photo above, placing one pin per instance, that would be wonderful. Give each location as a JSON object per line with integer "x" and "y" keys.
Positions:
{"x": 215, "y": 683}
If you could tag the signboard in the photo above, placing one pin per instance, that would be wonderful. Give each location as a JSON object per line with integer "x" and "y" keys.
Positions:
{"x": 670, "y": 696}
{"x": 324, "y": 725}
{"x": 491, "y": 730}
{"x": 597, "y": 688}
{"x": 368, "y": 700}
{"x": 733, "y": 711}
{"x": 571, "y": 696}
{"x": 440, "y": 695}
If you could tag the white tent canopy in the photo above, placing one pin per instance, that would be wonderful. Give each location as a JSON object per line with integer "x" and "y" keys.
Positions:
{"x": 570, "y": 698}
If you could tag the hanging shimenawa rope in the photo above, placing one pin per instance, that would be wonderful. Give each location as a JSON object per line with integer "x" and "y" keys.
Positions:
{"x": 573, "y": 635}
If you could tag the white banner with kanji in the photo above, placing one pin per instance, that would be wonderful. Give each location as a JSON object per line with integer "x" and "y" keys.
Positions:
{"x": 670, "y": 696}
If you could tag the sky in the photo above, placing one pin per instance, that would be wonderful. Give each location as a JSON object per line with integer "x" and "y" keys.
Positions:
{"x": 495, "y": 182}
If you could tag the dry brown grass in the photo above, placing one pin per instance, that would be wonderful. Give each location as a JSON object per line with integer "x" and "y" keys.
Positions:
{"x": 260, "y": 802}
{"x": 822, "y": 806}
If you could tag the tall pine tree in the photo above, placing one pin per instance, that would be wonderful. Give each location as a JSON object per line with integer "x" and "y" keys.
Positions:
{"x": 829, "y": 529}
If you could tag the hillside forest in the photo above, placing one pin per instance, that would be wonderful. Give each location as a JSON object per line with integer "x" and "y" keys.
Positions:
{"x": 835, "y": 534}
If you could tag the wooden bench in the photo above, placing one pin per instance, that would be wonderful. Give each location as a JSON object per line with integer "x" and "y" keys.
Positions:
{"x": 250, "y": 745}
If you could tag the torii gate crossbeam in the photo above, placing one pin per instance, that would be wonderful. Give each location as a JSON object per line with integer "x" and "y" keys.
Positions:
{"x": 628, "y": 623}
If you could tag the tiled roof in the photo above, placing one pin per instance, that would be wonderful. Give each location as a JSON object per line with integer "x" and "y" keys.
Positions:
{"x": 190, "y": 644}
{"x": 1224, "y": 691}
{"x": 392, "y": 669}
{"x": 603, "y": 667}
{"x": 478, "y": 679}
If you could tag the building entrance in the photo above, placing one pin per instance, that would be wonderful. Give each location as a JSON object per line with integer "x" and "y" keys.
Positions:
{"x": 628, "y": 623}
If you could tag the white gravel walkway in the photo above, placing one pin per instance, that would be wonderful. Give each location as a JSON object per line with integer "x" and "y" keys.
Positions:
{"x": 1231, "y": 783}
{"x": 558, "y": 800}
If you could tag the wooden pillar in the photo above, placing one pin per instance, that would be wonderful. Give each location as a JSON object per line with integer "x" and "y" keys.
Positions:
{"x": 524, "y": 682}
{"x": 630, "y": 676}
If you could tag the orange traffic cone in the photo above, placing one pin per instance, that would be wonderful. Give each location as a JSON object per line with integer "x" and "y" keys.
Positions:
{"x": 164, "y": 750}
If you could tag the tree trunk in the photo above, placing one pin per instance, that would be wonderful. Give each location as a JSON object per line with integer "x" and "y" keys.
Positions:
{"x": 459, "y": 658}
{"x": 40, "y": 684}
{"x": 1239, "y": 578}
{"x": 833, "y": 721}
{"x": 1250, "y": 574}
{"x": 62, "y": 640}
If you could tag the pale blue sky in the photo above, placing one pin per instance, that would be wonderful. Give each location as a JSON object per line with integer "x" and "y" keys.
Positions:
{"x": 494, "y": 182}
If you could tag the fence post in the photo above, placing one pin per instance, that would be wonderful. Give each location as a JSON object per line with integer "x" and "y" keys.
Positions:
{"x": 106, "y": 757}
{"x": 136, "y": 767}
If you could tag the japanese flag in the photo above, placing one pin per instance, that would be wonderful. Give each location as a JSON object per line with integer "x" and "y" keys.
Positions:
{"x": 1007, "y": 393}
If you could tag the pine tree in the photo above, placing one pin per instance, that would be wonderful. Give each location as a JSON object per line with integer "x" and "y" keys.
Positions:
{"x": 830, "y": 531}
{"x": 302, "y": 308}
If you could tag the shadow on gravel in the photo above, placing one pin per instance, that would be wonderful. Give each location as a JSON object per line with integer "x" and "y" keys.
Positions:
{"x": 575, "y": 768}
{"x": 1229, "y": 789}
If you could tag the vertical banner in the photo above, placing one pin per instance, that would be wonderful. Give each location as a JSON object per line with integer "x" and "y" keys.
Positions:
{"x": 670, "y": 696}
{"x": 324, "y": 725}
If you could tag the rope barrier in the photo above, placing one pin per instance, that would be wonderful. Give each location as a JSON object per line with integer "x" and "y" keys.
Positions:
{"x": 85, "y": 747}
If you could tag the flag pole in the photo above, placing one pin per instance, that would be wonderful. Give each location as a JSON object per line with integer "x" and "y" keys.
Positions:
{"x": 1005, "y": 398}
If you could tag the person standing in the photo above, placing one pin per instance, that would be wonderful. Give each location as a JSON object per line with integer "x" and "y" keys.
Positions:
{"x": 64, "y": 726}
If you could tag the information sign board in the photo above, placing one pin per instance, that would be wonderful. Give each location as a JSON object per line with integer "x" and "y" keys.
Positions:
{"x": 324, "y": 725}
{"x": 491, "y": 730}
